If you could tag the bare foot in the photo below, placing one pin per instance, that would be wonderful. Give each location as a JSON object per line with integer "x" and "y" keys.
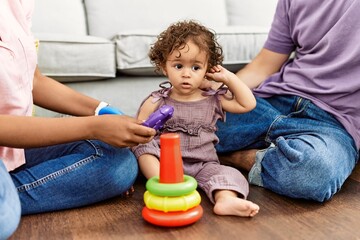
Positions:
{"x": 240, "y": 159}
{"x": 227, "y": 203}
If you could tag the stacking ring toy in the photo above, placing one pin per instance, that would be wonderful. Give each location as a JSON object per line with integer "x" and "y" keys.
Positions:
{"x": 172, "y": 219}
{"x": 171, "y": 190}
{"x": 172, "y": 204}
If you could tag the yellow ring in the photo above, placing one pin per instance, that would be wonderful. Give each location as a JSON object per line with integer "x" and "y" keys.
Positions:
{"x": 172, "y": 204}
{"x": 171, "y": 189}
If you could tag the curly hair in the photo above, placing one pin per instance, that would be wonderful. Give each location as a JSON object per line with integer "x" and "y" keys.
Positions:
{"x": 177, "y": 35}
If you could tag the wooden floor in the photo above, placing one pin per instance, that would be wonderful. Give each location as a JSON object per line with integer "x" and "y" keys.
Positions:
{"x": 279, "y": 218}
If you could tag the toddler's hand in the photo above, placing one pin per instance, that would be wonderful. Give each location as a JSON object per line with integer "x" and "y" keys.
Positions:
{"x": 218, "y": 73}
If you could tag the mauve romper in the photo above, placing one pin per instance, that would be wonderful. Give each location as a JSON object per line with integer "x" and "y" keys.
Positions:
{"x": 195, "y": 123}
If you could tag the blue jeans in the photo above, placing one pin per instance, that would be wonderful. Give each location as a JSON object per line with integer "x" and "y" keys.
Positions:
{"x": 73, "y": 175}
{"x": 306, "y": 153}
{"x": 10, "y": 209}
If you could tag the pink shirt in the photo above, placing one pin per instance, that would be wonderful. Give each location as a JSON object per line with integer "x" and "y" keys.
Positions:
{"x": 17, "y": 66}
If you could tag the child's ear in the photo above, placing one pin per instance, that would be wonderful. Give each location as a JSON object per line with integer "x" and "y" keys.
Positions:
{"x": 164, "y": 71}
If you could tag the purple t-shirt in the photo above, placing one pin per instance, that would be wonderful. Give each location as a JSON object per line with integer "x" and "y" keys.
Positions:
{"x": 325, "y": 36}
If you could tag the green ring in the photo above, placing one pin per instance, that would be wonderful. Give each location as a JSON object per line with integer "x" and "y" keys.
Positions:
{"x": 171, "y": 189}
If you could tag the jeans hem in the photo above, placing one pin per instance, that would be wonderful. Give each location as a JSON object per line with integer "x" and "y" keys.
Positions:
{"x": 255, "y": 172}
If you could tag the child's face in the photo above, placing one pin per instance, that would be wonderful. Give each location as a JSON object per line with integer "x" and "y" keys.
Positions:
{"x": 187, "y": 72}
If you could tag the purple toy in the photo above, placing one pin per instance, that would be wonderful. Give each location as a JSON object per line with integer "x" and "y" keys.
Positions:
{"x": 158, "y": 118}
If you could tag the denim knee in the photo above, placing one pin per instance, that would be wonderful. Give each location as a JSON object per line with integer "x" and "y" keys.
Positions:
{"x": 319, "y": 182}
{"x": 122, "y": 172}
{"x": 10, "y": 209}
{"x": 304, "y": 171}
{"x": 81, "y": 173}
{"x": 9, "y": 218}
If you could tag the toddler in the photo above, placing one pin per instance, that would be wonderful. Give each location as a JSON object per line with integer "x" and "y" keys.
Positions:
{"x": 188, "y": 54}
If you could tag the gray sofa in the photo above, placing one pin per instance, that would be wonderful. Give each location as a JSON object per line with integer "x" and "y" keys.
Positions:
{"x": 99, "y": 47}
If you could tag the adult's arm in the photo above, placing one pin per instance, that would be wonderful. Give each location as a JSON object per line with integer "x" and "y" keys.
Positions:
{"x": 55, "y": 96}
{"x": 27, "y": 131}
{"x": 261, "y": 67}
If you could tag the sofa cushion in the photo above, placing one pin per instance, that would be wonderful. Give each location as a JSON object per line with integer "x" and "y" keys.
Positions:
{"x": 59, "y": 16}
{"x": 76, "y": 58}
{"x": 108, "y": 17}
{"x": 240, "y": 45}
{"x": 251, "y": 12}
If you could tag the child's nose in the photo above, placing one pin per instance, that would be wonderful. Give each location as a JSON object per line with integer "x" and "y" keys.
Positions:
{"x": 186, "y": 72}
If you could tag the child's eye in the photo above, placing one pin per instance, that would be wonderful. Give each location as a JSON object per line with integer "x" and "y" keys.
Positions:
{"x": 178, "y": 66}
{"x": 195, "y": 68}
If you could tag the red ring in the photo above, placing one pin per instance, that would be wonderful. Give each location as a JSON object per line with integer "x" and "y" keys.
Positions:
{"x": 172, "y": 219}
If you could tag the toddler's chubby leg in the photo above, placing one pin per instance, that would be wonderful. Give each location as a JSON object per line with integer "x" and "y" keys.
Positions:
{"x": 149, "y": 165}
{"x": 223, "y": 185}
{"x": 228, "y": 203}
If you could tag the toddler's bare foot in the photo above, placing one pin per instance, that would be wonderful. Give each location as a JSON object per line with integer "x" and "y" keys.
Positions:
{"x": 232, "y": 205}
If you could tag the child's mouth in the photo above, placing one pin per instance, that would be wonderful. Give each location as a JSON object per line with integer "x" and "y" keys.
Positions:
{"x": 186, "y": 85}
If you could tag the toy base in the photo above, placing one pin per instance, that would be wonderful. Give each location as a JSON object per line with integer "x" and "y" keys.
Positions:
{"x": 172, "y": 219}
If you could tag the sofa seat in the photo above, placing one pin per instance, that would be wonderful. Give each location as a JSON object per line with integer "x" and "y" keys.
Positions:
{"x": 81, "y": 57}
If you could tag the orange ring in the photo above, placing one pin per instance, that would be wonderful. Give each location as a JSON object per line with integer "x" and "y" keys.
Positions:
{"x": 172, "y": 219}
